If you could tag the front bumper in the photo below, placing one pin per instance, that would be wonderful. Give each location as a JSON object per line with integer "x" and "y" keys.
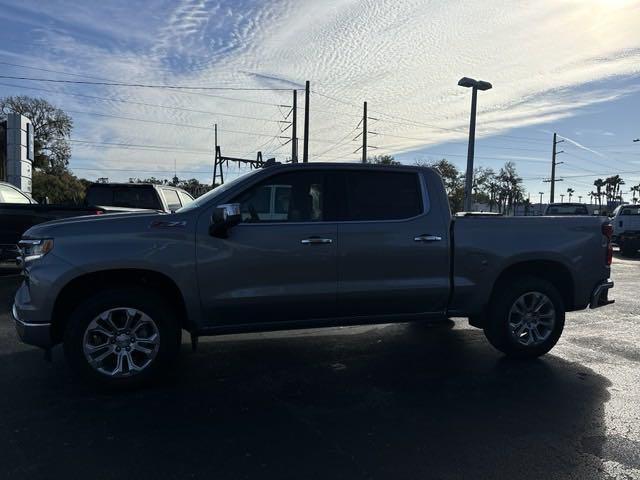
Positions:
{"x": 629, "y": 237}
{"x": 38, "y": 334}
{"x": 600, "y": 295}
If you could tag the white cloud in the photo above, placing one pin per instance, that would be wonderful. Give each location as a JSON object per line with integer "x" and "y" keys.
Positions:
{"x": 404, "y": 58}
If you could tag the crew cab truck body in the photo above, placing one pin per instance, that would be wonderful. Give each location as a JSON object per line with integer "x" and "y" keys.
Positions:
{"x": 358, "y": 244}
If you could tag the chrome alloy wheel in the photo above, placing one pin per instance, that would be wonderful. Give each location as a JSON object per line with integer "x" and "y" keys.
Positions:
{"x": 121, "y": 342}
{"x": 532, "y": 319}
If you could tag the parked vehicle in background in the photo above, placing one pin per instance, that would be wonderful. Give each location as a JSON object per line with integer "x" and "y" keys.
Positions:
{"x": 19, "y": 211}
{"x": 557, "y": 209}
{"x": 137, "y": 195}
{"x": 626, "y": 228}
{"x": 352, "y": 244}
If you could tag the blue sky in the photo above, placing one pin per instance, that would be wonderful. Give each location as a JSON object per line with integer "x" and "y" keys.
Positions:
{"x": 564, "y": 66}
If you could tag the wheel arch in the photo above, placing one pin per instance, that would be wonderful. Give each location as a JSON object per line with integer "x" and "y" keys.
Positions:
{"x": 84, "y": 285}
{"x": 552, "y": 271}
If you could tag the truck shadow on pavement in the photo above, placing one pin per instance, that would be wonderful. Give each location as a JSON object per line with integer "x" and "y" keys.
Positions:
{"x": 396, "y": 401}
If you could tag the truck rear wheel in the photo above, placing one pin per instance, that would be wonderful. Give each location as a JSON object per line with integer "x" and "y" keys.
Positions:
{"x": 122, "y": 337}
{"x": 526, "y": 317}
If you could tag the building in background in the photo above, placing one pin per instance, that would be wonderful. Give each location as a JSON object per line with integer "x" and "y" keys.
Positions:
{"x": 16, "y": 151}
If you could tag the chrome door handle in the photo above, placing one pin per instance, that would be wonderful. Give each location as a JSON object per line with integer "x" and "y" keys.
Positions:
{"x": 315, "y": 240}
{"x": 428, "y": 238}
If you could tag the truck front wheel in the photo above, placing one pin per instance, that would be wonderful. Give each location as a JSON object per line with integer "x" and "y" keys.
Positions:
{"x": 628, "y": 250}
{"x": 526, "y": 317}
{"x": 121, "y": 337}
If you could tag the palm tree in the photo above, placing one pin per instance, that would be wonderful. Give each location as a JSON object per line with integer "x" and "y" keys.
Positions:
{"x": 613, "y": 185}
{"x": 599, "y": 183}
{"x": 570, "y": 191}
{"x": 634, "y": 190}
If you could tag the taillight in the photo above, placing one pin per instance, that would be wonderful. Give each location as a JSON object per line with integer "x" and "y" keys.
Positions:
{"x": 99, "y": 212}
{"x": 607, "y": 231}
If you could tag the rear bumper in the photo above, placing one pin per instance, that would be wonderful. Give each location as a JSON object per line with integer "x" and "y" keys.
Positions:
{"x": 38, "y": 334}
{"x": 600, "y": 295}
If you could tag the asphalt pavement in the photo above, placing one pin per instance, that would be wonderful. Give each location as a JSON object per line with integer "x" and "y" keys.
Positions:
{"x": 412, "y": 401}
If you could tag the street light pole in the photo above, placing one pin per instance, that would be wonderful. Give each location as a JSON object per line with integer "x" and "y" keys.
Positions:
{"x": 468, "y": 182}
{"x": 540, "y": 204}
{"x": 475, "y": 85}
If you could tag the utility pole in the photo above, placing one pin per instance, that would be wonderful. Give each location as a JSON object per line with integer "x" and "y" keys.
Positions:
{"x": 215, "y": 153}
{"x": 562, "y": 197}
{"x": 305, "y": 145}
{"x": 553, "y": 167}
{"x": 364, "y": 134}
{"x": 294, "y": 128}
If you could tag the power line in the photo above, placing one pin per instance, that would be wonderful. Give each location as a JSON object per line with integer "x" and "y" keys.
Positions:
{"x": 138, "y": 171}
{"x": 587, "y": 175}
{"x": 143, "y": 85}
{"x": 485, "y": 145}
{"x": 407, "y": 121}
{"x": 136, "y": 145}
{"x": 200, "y": 94}
{"x": 133, "y": 102}
{"x": 160, "y": 148}
{"x": 158, "y": 122}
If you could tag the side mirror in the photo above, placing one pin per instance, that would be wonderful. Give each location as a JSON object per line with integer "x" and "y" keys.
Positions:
{"x": 224, "y": 217}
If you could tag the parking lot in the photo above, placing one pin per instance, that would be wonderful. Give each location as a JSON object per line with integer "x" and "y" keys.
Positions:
{"x": 391, "y": 401}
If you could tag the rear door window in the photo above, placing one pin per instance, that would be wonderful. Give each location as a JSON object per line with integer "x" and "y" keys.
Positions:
{"x": 382, "y": 195}
{"x": 185, "y": 198}
{"x": 171, "y": 198}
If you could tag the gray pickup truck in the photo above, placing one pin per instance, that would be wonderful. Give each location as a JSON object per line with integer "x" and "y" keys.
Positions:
{"x": 297, "y": 246}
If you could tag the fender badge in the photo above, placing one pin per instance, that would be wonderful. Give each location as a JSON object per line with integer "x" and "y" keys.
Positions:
{"x": 168, "y": 224}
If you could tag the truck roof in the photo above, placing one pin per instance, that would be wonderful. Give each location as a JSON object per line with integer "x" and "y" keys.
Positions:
{"x": 348, "y": 166}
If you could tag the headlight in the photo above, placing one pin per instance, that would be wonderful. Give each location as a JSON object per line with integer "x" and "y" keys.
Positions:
{"x": 32, "y": 249}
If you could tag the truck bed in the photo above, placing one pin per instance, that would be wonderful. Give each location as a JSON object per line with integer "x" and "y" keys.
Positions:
{"x": 484, "y": 247}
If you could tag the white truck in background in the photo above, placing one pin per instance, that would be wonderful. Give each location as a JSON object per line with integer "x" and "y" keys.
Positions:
{"x": 626, "y": 229}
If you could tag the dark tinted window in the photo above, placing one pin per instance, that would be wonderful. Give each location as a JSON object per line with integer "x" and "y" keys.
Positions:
{"x": 287, "y": 197}
{"x": 630, "y": 211}
{"x": 171, "y": 197}
{"x": 567, "y": 210}
{"x": 382, "y": 195}
{"x": 131, "y": 197}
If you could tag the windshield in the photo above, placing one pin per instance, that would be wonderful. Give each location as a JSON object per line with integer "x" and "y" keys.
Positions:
{"x": 634, "y": 210}
{"x": 211, "y": 194}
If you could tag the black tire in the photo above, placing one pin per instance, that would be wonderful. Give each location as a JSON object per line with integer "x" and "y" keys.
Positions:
{"x": 498, "y": 329}
{"x": 627, "y": 251}
{"x": 141, "y": 299}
